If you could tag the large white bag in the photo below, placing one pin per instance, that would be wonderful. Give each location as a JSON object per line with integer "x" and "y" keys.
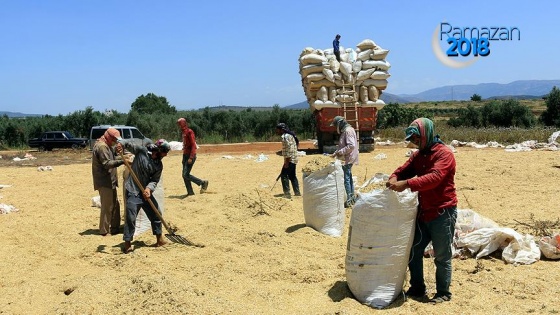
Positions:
{"x": 323, "y": 199}
{"x": 379, "y": 241}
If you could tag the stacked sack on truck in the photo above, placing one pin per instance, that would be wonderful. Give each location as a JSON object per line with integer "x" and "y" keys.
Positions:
{"x": 323, "y": 76}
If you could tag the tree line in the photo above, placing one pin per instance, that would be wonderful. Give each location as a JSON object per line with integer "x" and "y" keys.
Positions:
{"x": 156, "y": 118}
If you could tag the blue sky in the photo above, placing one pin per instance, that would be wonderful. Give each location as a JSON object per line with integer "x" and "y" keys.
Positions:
{"x": 58, "y": 57}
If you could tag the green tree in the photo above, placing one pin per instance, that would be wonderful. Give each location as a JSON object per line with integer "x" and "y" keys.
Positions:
{"x": 476, "y": 98}
{"x": 551, "y": 116}
{"x": 151, "y": 103}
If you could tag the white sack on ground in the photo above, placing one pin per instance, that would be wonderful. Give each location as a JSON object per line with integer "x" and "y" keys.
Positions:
{"x": 323, "y": 199}
{"x": 379, "y": 241}
{"x": 550, "y": 246}
{"x": 517, "y": 249}
{"x": 468, "y": 221}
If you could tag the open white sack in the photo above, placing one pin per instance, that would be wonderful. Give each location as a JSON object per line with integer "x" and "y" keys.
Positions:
{"x": 323, "y": 199}
{"x": 517, "y": 249}
{"x": 379, "y": 241}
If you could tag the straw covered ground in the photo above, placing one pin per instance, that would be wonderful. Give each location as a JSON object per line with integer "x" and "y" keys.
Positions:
{"x": 258, "y": 256}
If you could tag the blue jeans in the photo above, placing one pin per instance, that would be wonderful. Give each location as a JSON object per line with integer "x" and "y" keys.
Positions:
{"x": 133, "y": 205}
{"x": 187, "y": 177}
{"x": 348, "y": 181}
{"x": 440, "y": 232}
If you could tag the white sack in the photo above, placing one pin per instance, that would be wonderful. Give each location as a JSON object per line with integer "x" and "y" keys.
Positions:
{"x": 366, "y": 44}
{"x": 96, "y": 201}
{"x": 550, "y": 246}
{"x": 312, "y": 59}
{"x": 143, "y": 224}
{"x": 379, "y": 241}
{"x": 346, "y": 68}
{"x": 379, "y": 53}
{"x": 323, "y": 199}
{"x": 516, "y": 248}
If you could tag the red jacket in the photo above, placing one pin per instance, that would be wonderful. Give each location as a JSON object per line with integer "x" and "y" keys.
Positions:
{"x": 432, "y": 175}
{"x": 189, "y": 143}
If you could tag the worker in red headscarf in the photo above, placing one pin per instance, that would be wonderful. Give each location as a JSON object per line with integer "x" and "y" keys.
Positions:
{"x": 189, "y": 157}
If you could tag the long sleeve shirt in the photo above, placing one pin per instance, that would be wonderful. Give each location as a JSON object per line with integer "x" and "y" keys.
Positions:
{"x": 289, "y": 148}
{"x": 432, "y": 174}
{"x": 189, "y": 143}
{"x": 146, "y": 169}
{"x": 104, "y": 166}
{"x": 348, "y": 146}
{"x": 335, "y": 45}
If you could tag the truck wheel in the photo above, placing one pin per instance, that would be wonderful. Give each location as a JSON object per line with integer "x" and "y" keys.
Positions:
{"x": 42, "y": 148}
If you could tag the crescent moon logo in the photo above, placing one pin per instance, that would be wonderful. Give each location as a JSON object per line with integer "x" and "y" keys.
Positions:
{"x": 443, "y": 58}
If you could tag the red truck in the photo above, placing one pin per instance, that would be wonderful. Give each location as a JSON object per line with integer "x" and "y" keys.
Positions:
{"x": 327, "y": 137}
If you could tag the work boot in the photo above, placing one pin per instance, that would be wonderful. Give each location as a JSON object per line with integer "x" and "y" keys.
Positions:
{"x": 203, "y": 186}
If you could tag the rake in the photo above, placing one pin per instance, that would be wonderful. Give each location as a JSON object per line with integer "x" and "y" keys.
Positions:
{"x": 277, "y": 178}
{"x": 175, "y": 238}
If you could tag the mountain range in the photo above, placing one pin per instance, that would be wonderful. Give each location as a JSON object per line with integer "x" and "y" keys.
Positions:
{"x": 523, "y": 89}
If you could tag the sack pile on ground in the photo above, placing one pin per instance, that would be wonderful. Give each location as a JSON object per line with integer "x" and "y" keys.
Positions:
{"x": 323, "y": 76}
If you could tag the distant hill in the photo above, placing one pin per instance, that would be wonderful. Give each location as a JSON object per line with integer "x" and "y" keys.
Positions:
{"x": 486, "y": 90}
{"x": 516, "y": 97}
{"x": 18, "y": 115}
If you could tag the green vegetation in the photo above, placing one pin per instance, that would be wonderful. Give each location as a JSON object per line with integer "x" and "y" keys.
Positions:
{"x": 505, "y": 121}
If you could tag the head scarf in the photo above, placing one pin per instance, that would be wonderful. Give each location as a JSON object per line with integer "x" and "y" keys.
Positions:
{"x": 109, "y": 135}
{"x": 284, "y": 128}
{"x": 340, "y": 123}
{"x": 423, "y": 128}
{"x": 163, "y": 145}
{"x": 182, "y": 122}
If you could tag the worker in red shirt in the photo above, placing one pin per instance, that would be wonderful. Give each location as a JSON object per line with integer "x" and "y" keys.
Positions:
{"x": 430, "y": 171}
{"x": 189, "y": 157}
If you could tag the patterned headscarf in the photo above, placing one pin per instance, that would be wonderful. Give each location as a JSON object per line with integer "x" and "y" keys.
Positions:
{"x": 424, "y": 128}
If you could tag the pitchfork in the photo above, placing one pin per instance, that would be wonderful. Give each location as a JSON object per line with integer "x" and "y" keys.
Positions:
{"x": 176, "y": 238}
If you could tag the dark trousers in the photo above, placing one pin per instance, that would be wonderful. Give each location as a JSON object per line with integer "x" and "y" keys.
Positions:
{"x": 289, "y": 175}
{"x": 440, "y": 232}
{"x": 187, "y": 177}
{"x": 133, "y": 205}
{"x": 337, "y": 54}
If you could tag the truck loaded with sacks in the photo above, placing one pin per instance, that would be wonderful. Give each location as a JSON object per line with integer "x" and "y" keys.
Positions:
{"x": 350, "y": 88}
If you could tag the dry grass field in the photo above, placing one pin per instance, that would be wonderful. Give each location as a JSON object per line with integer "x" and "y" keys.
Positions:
{"x": 259, "y": 256}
